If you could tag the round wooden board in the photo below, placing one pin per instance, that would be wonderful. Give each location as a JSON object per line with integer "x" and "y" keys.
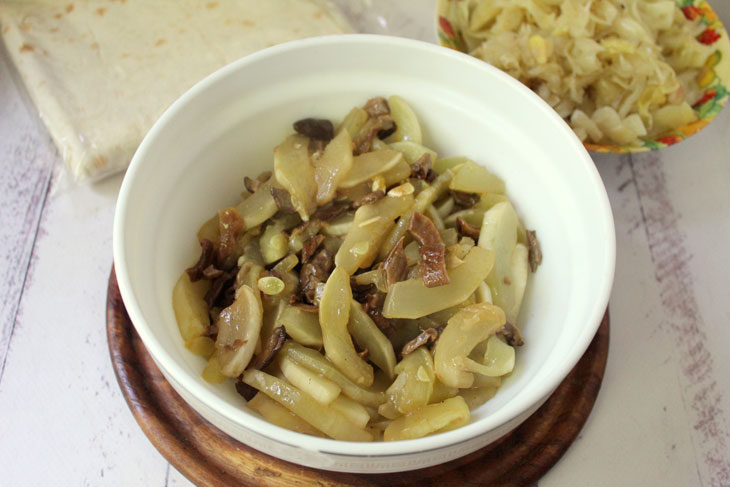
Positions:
{"x": 208, "y": 457}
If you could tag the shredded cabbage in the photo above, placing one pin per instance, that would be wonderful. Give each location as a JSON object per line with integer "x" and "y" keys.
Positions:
{"x": 617, "y": 70}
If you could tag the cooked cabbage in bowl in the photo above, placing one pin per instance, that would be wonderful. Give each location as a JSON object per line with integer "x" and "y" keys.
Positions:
{"x": 364, "y": 289}
{"x": 627, "y": 75}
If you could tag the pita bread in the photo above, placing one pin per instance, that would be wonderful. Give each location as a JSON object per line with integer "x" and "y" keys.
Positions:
{"x": 101, "y": 72}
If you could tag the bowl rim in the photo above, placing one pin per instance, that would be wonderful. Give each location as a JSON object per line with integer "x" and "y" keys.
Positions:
{"x": 518, "y": 405}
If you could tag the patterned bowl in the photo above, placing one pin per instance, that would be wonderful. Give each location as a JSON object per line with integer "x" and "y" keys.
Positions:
{"x": 714, "y": 79}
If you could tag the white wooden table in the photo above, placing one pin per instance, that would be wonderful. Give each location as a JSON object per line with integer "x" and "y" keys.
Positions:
{"x": 661, "y": 418}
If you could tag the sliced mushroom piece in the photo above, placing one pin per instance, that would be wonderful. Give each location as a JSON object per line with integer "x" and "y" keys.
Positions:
{"x": 426, "y": 337}
{"x": 302, "y": 233}
{"x": 271, "y": 347}
{"x": 373, "y": 306}
{"x": 361, "y": 290}
{"x": 211, "y": 272}
{"x": 315, "y": 128}
{"x": 426, "y": 197}
{"x": 535, "y": 254}
{"x": 377, "y": 106}
{"x": 464, "y": 200}
{"x": 473, "y": 216}
{"x": 248, "y": 392}
{"x": 239, "y": 326}
{"x": 310, "y": 247}
{"x": 432, "y": 251}
{"x": 207, "y": 258}
{"x": 413, "y": 151}
{"x": 282, "y": 200}
{"x": 511, "y": 335}
{"x": 466, "y": 229}
{"x": 262, "y": 360}
{"x": 314, "y": 272}
{"x": 421, "y": 169}
{"x": 395, "y": 266}
{"x": 251, "y": 185}
{"x": 217, "y": 295}
{"x": 432, "y": 261}
{"x": 371, "y": 130}
{"x": 412, "y": 299}
{"x": 332, "y": 211}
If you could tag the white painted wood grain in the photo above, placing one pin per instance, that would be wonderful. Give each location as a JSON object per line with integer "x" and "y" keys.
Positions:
{"x": 661, "y": 416}
{"x": 176, "y": 479}
{"x": 26, "y": 164}
{"x": 633, "y": 422}
{"x": 63, "y": 418}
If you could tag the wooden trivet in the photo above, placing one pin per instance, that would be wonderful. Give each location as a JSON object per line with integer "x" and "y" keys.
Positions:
{"x": 209, "y": 457}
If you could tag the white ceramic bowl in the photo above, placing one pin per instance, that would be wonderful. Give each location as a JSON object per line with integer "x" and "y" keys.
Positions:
{"x": 194, "y": 159}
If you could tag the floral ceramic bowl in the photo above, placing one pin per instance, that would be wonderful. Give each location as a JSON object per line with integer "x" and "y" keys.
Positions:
{"x": 713, "y": 79}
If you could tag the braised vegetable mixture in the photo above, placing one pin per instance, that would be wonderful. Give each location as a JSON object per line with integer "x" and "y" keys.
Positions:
{"x": 365, "y": 289}
{"x": 617, "y": 70}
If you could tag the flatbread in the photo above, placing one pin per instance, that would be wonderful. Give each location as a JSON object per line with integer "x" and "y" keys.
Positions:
{"x": 101, "y": 72}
